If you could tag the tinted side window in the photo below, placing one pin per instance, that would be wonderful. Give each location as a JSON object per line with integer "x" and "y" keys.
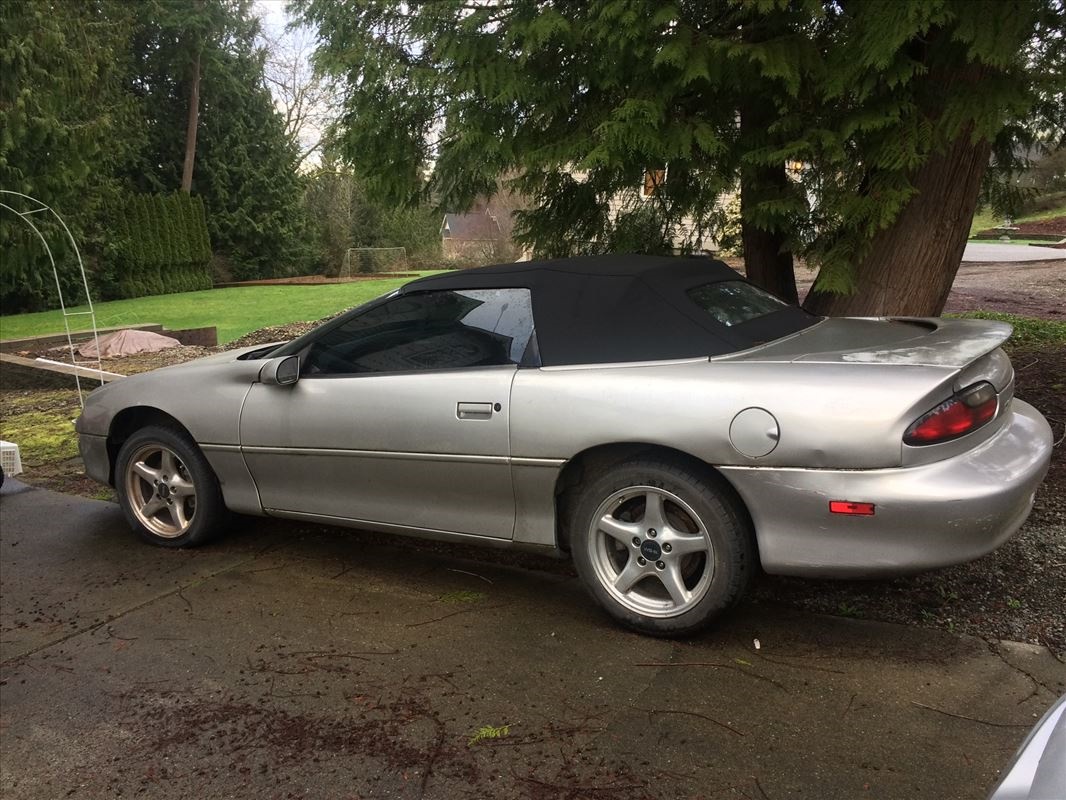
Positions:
{"x": 429, "y": 330}
{"x": 734, "y": 302}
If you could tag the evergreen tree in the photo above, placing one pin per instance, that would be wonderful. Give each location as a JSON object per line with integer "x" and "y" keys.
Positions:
{"x": 94, "y": 105}
{"x": 920, "y": 95}
{"x": 65, "y": 128}
{"x": 246, "y": 171}
{"x": 245, "y": 163}
{"x": 889, "y": 109}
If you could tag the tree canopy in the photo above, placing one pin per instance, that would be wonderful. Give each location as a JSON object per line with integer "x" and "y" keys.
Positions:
{"x": 887, "y": 111}
{"x": 343, "y": 214}
{"x": 245, "y": 167}
{"x": 65, "y": 127}
{"x": 94, "y": 99}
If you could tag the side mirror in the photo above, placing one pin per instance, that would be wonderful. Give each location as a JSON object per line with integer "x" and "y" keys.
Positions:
{"x": 283, "y": 371}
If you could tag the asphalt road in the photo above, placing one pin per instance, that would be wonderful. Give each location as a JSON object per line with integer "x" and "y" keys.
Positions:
{"x": 976, "y": 251}
{"x": 292, "y": 662}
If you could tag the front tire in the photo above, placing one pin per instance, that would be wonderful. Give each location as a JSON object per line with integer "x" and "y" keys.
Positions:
{"x": 166, "y": 488}
{"x": 664, "y": 547}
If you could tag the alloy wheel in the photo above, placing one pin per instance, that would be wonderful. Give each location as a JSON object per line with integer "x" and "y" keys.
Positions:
{"x": 160, "y": 491}
{"x": 651, "y": 552}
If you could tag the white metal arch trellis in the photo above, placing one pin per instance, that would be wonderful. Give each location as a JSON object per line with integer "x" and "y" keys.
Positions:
{"x": 39, "y": 207}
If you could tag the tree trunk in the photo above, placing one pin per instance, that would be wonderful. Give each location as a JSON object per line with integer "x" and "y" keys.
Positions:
{"x": 193, "y": 124}
{"x": 912, "y": 264}
{"x": 767, "y": 262}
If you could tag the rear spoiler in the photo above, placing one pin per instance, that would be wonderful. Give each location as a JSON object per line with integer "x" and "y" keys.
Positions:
{"x": 940, "y": 343}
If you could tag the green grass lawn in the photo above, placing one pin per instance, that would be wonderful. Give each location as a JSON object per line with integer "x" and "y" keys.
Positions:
{"x": 1028, "y": 331}
{"x": 234, "y": 311}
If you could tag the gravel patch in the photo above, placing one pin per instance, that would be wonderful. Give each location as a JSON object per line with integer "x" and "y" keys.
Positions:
{"x": 1014, "y": 593}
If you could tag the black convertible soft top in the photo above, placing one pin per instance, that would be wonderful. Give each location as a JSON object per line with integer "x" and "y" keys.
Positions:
{"x": 601, "y": 309}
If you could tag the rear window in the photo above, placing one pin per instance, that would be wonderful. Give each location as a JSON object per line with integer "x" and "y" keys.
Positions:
{"x": 734, "y": 302}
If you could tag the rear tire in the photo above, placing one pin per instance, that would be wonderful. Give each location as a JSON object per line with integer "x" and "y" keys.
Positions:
{"x": 665, "y": 547}
{"x": 167, "y": 490}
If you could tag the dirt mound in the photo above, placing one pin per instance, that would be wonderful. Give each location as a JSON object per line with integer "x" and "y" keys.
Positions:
{"x": 278, "y": 333}
{"x": 127, "y": 343}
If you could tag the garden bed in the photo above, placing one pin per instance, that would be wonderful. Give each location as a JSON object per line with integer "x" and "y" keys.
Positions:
{"x": 1052, "y": 226}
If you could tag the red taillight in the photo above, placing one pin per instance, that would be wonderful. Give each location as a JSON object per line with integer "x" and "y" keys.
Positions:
{"x": 968, "y": 410}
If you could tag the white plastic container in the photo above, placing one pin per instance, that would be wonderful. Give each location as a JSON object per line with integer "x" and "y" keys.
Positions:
{"x": 9, "y": 458}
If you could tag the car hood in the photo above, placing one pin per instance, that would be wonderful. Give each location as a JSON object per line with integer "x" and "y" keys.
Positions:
{"x": 223, "y": 357}
{"x": 915, "y": 341}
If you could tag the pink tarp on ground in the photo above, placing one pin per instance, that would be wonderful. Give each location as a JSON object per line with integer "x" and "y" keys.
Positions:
{"x": 127, "y": 342}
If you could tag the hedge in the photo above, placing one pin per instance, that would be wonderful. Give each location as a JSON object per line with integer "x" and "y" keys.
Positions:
{"x": 160, "y": 245}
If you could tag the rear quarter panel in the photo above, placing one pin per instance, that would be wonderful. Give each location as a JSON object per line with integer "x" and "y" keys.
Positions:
{"x": 842, "y": 416}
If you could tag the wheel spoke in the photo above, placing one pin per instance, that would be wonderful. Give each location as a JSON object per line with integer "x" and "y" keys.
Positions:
{"x": 629, "y": 576}
{"x": 622, "y": 531}
{"x": 654, "y": 515}
{"x": 152, "y": 507}
{"x": 671, "y": 578}
{"x": 179, "y": 487}
{"x": 683, "y": 544}
{"x": 170, "y": 464}
{"x": 148, "y": 473}
{"x": 177, "y": 514}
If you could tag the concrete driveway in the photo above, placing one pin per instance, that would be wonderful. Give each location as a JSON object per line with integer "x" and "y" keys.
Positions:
{"x": 292, "y": 662}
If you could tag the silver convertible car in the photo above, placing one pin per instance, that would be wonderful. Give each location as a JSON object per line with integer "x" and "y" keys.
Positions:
{"x": 664, "y": 422}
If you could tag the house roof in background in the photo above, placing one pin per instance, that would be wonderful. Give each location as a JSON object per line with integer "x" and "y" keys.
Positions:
{"x": 471, "y": 227}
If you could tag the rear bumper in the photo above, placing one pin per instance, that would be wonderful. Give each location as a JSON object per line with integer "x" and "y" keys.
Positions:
{"x": 927, "y": 516}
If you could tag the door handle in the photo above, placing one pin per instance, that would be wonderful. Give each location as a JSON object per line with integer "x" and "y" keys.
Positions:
{"x": 473, "y": 410}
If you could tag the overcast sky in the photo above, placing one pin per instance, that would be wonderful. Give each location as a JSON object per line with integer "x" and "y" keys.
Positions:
{"x": 297, "y": 43}
{"x": 272, "y": 12}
